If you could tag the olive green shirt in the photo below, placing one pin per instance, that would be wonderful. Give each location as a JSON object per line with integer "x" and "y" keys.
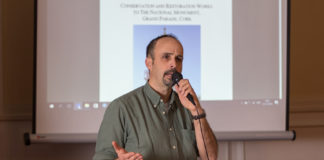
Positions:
{"x": 140, "y": 122}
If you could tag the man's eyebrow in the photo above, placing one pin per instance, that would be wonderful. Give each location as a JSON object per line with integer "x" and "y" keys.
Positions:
{"x": 170, "y": 53}
{"x": 167, "y": 53}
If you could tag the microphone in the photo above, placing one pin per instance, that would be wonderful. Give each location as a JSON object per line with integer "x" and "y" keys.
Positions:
{"x": 176, "y": 77}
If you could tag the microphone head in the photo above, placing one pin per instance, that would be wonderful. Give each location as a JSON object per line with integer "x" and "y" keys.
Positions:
{"x": 176, "y": 77}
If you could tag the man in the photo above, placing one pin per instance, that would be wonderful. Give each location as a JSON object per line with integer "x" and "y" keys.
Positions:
{"x": 153, "y": 121}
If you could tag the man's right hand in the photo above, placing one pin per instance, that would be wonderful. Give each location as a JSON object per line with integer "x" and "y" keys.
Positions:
{"x": 124, "y": 155}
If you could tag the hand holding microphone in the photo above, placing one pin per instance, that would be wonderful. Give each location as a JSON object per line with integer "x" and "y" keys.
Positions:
{"x": 184, "y": 89}
{"x": 176, "y": 77}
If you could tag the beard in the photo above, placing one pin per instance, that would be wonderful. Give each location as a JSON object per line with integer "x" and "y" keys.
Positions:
{"x": 168, "y": 82}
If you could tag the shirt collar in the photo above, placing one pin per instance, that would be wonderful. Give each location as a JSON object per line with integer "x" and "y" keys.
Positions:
{"x": 155, "y": 97}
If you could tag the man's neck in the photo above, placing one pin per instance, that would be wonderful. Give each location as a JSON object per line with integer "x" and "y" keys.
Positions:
{"x": 163, "y": 91}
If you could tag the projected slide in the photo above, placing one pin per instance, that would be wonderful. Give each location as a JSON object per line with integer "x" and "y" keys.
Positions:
{"x": 126, "y": 27}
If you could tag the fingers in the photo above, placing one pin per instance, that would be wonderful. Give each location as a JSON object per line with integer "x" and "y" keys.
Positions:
{"x": 135, "y": 156}
{"x": 184, "y": 87}
{"x": 128, "y": 155}
{"x": 131, "y": 156}
{"x": 117, "y": 148}
{"x": 115, "y": 145}
{"x": 123, "y": 154}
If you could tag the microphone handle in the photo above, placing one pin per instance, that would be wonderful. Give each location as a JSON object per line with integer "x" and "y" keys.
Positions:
{"x": 189, "y": 96}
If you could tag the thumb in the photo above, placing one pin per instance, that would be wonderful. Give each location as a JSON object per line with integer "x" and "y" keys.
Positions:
{"x": 177, "y": 88}
{"x": 117, "y": 148}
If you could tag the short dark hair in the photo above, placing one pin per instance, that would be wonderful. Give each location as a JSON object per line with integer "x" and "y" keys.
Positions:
{"x": 150, "y": 47}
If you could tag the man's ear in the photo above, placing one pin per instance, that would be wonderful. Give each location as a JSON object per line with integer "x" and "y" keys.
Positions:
{"x": 148, "y": 63}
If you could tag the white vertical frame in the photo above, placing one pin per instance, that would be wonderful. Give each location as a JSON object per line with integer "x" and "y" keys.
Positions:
{"x": 280, "y": 48}
{"x": 237, "y": 151}
{"x": 223, "y": 151}
{"x": 231, "y": 150}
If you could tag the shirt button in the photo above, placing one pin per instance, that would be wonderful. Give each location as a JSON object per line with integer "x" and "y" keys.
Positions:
{"x": 163, "y": 112}
{"x": 161, "y": 100}
{"x": 170, "y": 129}
{"x": 154, "y": 105}
{"x": 174, "y": 147}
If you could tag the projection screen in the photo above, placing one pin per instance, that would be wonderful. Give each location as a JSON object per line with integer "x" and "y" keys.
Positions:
{"x": 90, "y": 52}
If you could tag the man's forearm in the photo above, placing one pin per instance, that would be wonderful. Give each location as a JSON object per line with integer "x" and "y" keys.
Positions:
{"x": 209, "y": 137}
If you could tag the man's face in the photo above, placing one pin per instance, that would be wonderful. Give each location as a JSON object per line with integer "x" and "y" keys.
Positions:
{"x": 168, "y": 57}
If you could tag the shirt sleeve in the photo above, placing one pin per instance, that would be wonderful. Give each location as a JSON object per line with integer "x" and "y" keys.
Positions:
{"x": 112, "y": 129}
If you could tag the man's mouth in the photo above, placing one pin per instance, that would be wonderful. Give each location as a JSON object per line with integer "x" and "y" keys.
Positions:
{"x": 171, "y": 71}
{"x": 167, "y": 77}
{"x": 168, "y": 73}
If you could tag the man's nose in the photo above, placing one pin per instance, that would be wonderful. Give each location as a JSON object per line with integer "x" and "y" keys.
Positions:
{"x": 173, "y": 63}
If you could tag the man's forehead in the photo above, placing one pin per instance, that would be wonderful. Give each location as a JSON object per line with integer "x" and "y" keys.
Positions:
{"x": 168, "y": 39}
{"x": 169, "y": 42}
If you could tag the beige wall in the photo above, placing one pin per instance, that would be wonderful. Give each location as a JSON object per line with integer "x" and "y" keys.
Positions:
{"x": 307, "y": 89}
